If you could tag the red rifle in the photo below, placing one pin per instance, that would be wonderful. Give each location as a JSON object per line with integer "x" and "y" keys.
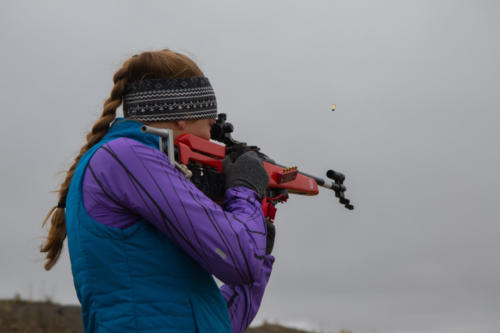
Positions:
{"x": 204, "y": 159}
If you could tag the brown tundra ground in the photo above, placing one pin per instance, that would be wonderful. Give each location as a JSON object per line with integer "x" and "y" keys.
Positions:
{"x": 21, "y": 316}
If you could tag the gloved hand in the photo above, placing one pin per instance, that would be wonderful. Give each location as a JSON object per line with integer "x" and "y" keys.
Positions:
{"x": 248, "y": 171}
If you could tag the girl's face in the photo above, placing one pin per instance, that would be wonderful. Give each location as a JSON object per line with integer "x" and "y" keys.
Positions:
{"x": 200, "y": 127}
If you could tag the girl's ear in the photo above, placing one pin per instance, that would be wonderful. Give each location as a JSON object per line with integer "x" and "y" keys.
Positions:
{"x": 181, "y": 124}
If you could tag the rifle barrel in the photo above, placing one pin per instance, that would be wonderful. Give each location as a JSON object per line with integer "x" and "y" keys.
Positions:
{"x": 323, "y": 183}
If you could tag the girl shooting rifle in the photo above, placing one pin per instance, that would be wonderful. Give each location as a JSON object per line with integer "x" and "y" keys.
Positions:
{"x": 143, "y": 241}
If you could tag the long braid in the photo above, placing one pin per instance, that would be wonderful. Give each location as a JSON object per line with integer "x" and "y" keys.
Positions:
{"x": 147, "y": 65}
{"x": 57, "y": 233}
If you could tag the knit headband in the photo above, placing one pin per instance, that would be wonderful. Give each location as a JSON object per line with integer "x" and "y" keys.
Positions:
{"x": 170, "y": 99}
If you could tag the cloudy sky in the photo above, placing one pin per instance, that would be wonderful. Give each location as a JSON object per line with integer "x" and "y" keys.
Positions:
{"x": 416, "y": 131}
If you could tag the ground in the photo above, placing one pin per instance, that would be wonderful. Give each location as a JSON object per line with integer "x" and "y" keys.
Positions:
{"x": 22, "y": 316}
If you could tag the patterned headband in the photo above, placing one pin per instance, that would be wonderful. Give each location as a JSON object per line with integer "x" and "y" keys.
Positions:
{"x": 170, "y": 99}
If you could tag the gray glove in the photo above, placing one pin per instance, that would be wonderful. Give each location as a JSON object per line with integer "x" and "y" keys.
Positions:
{"x": 248, "y": 171}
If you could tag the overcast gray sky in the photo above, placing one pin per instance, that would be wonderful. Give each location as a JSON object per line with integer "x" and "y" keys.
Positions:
{"x": 416, "y": 131}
